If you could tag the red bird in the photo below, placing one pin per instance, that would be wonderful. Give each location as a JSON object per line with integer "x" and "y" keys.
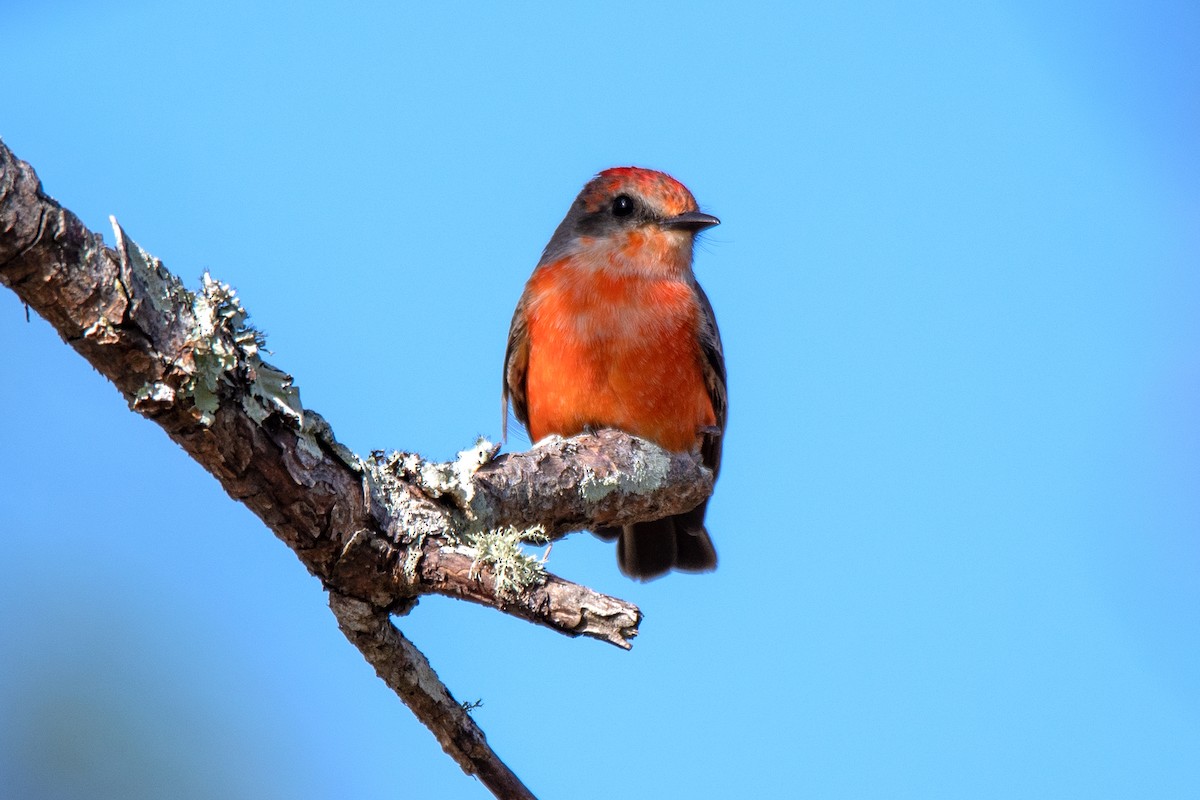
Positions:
{"x": 613, "y": 331}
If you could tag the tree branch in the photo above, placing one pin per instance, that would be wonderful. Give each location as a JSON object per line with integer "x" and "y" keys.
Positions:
{"x": 406, "y": 670}
{"x": 378, "y": 533}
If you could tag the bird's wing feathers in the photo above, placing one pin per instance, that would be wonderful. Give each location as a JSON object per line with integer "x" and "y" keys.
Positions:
{"x": 516, "y": 362}
{"x": 714, "y": 380}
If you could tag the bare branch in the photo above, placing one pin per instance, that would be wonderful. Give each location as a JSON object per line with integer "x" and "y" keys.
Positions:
{"x": 564, "y": 606}
{"x": 563, "y": 485}
{"x": 405, "y": 669}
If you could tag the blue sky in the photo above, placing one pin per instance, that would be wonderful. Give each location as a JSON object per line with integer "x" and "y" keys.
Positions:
{"x": 957, "y": 282}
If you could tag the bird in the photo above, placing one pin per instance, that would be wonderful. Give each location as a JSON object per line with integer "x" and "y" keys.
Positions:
{"x": 613, "y": 331}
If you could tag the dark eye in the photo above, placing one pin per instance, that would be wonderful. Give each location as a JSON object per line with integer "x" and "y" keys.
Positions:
{"x": 622, "y": 205}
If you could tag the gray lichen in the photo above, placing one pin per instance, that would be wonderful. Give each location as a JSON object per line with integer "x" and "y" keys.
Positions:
{"x": 385, "y": 479}
{"x": 146, "y": 281}
{"x": 650, "y": 468}
{"x": 453, "y": 478}
{"x": 498, "y": 549}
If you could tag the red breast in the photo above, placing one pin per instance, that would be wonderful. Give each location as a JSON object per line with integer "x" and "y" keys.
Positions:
{"x": 614, "y": 348}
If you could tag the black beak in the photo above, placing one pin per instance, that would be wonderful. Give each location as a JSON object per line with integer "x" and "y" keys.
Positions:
{"x": 693, "y": 221}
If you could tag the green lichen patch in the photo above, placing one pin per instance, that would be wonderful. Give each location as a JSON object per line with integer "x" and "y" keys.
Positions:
{"x": 224, "y": 350}
{"x": 501, "y": 550}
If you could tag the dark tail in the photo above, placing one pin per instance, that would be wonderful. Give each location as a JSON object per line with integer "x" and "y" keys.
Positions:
{"x": 647, "y": 550}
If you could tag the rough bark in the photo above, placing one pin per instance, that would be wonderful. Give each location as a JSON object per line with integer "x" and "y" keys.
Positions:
{"x": 404, "y": 668}
{"x": 379, "y": 532}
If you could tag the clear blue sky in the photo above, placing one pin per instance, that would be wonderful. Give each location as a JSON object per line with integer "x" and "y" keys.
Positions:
{"x": 958, "y": 284}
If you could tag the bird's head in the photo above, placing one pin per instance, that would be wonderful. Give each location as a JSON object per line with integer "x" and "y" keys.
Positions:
{"x": 631, "y": 216}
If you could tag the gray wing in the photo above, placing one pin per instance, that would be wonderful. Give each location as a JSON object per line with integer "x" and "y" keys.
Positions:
{"x": 714, "y": 380}
{"x": 516, "y": 362}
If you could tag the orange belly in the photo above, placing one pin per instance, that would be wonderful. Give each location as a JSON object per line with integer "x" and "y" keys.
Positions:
{"x": 620, "y": 353}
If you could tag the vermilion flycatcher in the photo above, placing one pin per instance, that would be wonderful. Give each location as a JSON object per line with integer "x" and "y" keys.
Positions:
{"x": 613, "y": 331}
